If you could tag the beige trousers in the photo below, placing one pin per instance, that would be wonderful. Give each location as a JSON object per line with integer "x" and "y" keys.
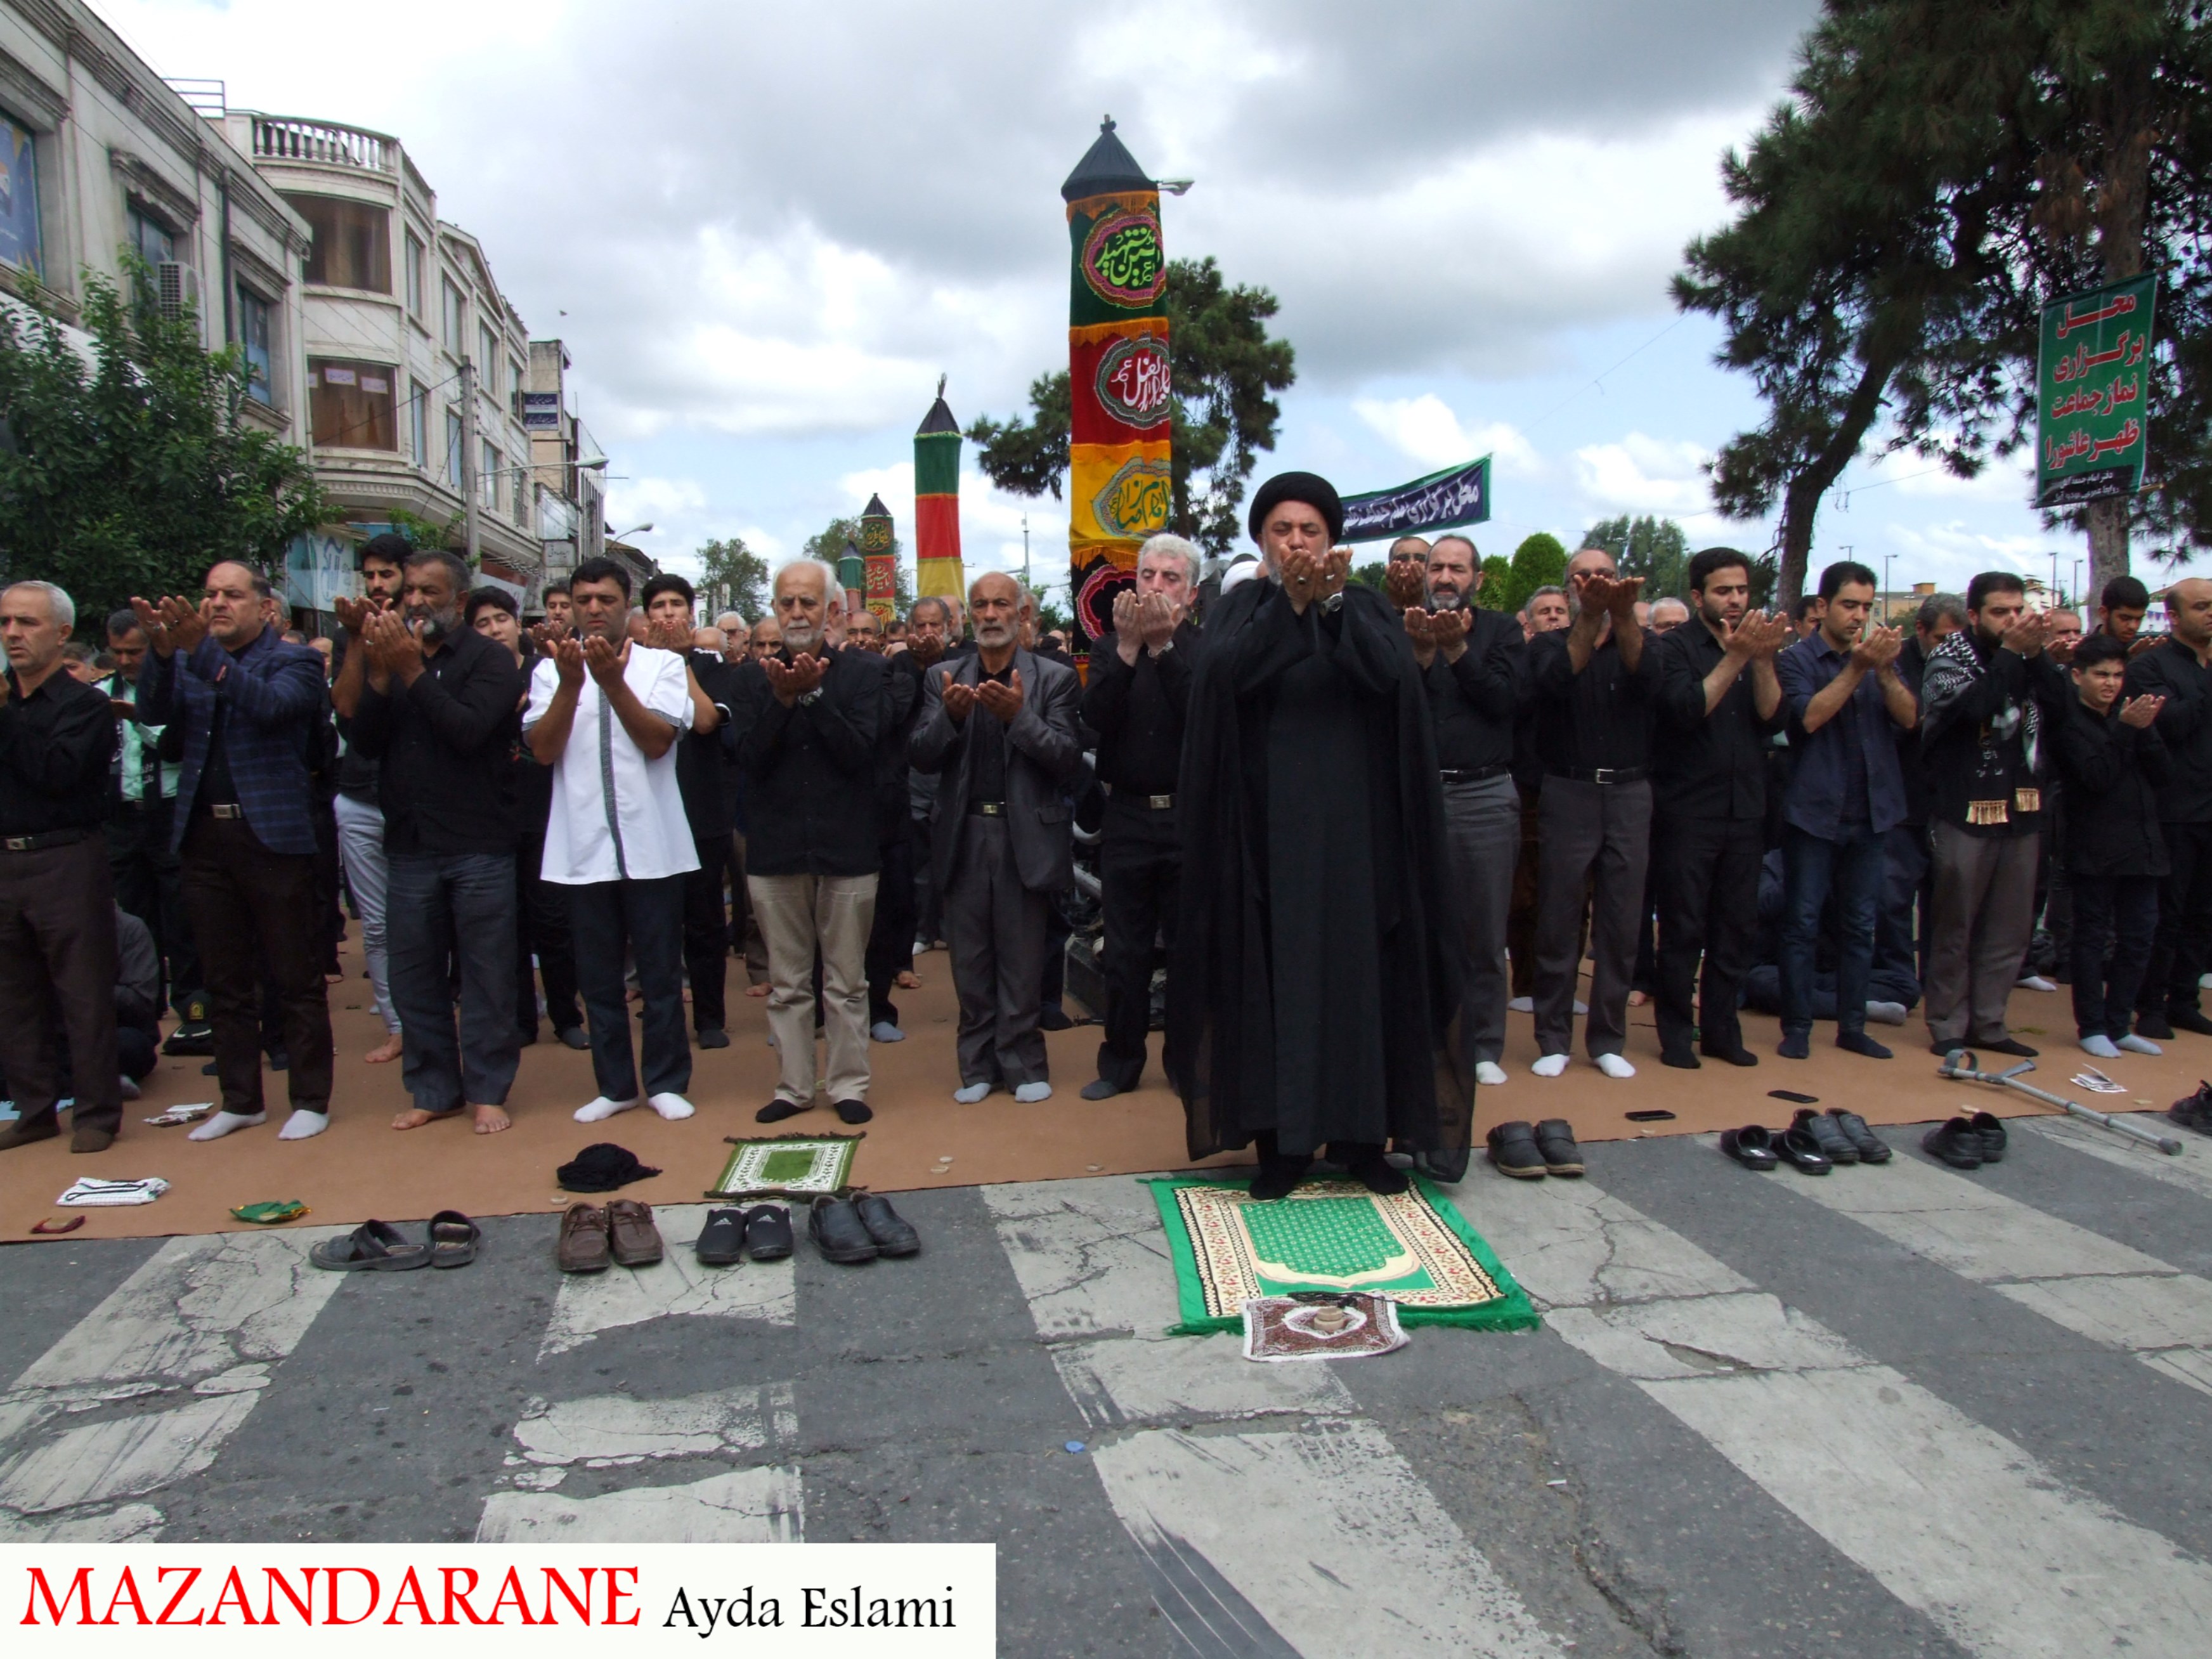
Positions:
{"x": 797, "y": 914}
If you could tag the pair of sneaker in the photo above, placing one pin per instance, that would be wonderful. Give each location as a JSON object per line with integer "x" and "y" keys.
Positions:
{"x": 763, "y": 1232}
{"x": 1530, "y": 1151}
{"x": 672, "y": 1107}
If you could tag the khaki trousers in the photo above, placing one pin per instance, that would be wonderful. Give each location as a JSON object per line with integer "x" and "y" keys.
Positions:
{"x": 798, "y": 915}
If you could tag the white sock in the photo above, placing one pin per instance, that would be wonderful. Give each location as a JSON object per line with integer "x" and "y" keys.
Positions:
{"x": 1489, "y": 1073}
{"x": 1522, "y": 1005}
{"x": 600, "y": 1107}
{"x": 2102, "y": 1046}
{"x": 1614, "y": 1066}
{"x": 968, "y": 1093}
{"x": 674, "y": 1107}
{"x": 223, "y": 1123}
{"x": 2135, "y": 1045}
{"x": 883, "y": 1031}
{"x": 1581, "y": 1007}
{"x": 303, "y": 1124}
{"x": 1550, "y": 1066}
{"x": 1885, "y": 1013}
{"x": 1030, "y": 1093}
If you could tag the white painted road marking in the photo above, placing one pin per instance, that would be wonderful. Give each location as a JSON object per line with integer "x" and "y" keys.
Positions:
{"x": 607, "y": 1430}
{"x": 1090, "y": 1255}
{"x": 677, "y": 1285}
{"x": 749, "y": 1506}
{"x": 2191, "y": 1172}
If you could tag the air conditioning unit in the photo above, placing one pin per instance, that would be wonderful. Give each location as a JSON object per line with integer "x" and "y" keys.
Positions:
{"x": 180, "y": 287}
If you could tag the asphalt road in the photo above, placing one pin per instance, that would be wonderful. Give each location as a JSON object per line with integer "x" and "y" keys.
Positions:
{"x": 1895, "y": 1412}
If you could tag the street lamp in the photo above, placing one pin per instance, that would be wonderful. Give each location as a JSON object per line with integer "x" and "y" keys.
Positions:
{"x": 635, "y": 530}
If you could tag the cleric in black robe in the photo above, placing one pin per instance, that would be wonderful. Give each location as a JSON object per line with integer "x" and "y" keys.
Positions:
{"x": 1311, "y": 1002}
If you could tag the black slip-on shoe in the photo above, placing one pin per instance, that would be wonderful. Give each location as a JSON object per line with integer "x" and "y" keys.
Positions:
{"x": 2012, "y": 1046}
{"x": 767, "y": 1233}
{"x": 1955, "y": 1143}
{"x": 838, "y": 1233}
{"x": 2195, "y": 1111}
{"x": 1990, "y": 1127}
{"x": 1751, "y": 1146}
{"x": 893, "y": 1233}
{"x": 1797, "y": 1148}
{"x": 1555, "y": 1139}
{"x": 1513, "y": 1151}
{"x": 1870, "y": 1147}
{"x": 1828, "y": 1135}
{"x": 723, "y": 1240}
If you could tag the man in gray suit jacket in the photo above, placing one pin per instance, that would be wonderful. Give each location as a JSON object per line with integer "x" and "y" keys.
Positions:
{"x": 1000, "y": 728}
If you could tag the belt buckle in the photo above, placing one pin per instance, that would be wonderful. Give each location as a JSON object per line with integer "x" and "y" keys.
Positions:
{"x": 17, "y": 843}
{"x": 991, "y": 809}
{"x": 228, "y": 811}
{"x": 1161, "y": 803}
{"x": 1602, "y": 774}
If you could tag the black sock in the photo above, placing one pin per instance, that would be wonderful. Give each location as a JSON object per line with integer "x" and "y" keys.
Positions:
{"x": 854, "y": 1111}
{"x": 776, "y": 1110}
{"x": 1858, "y": 1042}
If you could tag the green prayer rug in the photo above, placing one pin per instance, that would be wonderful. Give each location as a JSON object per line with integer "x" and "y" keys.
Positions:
{"x": 786, "y": 1166}
{"x": 1412, "y": 1247}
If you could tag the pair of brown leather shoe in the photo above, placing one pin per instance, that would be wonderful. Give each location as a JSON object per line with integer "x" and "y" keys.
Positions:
{"x": 591, "y": 1237}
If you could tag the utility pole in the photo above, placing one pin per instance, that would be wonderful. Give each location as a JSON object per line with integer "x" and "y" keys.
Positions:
{"x": 469, "y": 507}
{"x": 1025, "y": 552}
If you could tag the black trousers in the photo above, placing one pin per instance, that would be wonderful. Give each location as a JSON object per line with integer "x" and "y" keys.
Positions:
{"x": 643, "y": 920}
{"x": 1140, "y": 874}
{"x": 2180, "y": 950}
{"x": 1706, "y": 871}
{"x": 57, "y": 975}
{"x": 890, "y": 936}
{"x": 541, "y": 929}
{"x": 707, "y": 930}
{"x": 928, "y": 902}
{"x": 2115, "y": 919}
{"x": 254, "y": 914}
{"x": 150, "y": 883}
{"x": 330, "y": 919}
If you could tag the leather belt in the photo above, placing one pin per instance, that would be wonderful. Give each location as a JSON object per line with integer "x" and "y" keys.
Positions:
{"x": 44, "y": 839}
{"x": 1480, "y": 775}
{"x": 1600, "y": 774}
{"x": 227, "y": 811}
{"x": 987, "y": 809}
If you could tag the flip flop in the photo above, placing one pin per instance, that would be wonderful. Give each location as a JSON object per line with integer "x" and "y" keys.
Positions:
{"x": 372, "y": 1247}
{"x": 454, "y": 1239}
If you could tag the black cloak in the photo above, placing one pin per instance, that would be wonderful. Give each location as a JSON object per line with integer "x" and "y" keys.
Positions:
{"x": 1222, "y": 1021}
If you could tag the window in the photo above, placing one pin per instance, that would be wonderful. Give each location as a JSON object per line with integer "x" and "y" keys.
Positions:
{"x": 488, "y": 478}
{"x": 454, "y": 443}
{"x": 520, "y": 496}
{"x": 487, "y": 361}
{"x": 353, "y": 242}
{"x": 149, "y": 239}
{"x": 453, "y": 319}
{"x": 352, "y": 404}
{"x": 256, "y": 331}
{"x": 415, "y": 275}
{"x": 418, "y": 428}
{"x": 515, "y": 382}
{"x": 19, "y": 197}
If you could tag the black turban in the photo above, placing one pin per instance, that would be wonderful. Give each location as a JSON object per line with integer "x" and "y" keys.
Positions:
{"x": 1311, "y": 488}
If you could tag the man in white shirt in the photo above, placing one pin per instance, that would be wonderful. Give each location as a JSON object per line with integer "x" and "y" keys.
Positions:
{"x": 605, "y": 714}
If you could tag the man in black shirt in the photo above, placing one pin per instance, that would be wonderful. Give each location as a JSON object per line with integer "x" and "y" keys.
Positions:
{"x": 2180, "y": 671}
{"x": 441, "y": 709}
{"x": 1471, "y": 662}
{"x": 1709, "y": 807}
{"x": 1139, "y": 693}
{"x": 890, "y": 936}
{"x": 1596, "y": 686}
{"x": 57, "y": 947}
{"x": 806, "y": 719}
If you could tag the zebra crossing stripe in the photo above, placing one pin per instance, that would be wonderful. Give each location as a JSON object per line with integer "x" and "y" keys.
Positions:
{"x": 1953, "y": 1519}
{"x": 1315, "y": 1539}
{"x": 2090, "y": 1284}
{"x": 2192, "y": 1172}
{"x": 762, "y": 1505}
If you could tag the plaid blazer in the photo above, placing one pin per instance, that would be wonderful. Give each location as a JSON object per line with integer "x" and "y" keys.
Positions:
{"x": 272, "y": 695}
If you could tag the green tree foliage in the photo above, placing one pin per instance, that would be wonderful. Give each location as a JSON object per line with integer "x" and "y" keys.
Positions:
{"x": 1222, "y": 415}
{"x": 133, "y": 473}
{"x": 1654, "y": 549}
{"x": 729, "y": 563}
{"x": 1539, "y": 561}
{"x": 1497, "y": 584}
{"x": 829, "y": 546}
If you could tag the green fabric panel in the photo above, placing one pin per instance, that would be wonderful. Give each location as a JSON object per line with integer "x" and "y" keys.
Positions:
{"x": 937, "y": 464}
{"x": 1131, "y": 255}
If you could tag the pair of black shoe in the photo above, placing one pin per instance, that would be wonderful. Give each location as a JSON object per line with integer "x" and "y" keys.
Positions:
{"x": 856, "y": 1230}
{"x": 762, "y": 1233}
{"x": 2195, "y": 1112}
{"x": 1529, "y": 1153}
{"x": 1813, "y": 1144}
{"x": 1967, "y": 1143}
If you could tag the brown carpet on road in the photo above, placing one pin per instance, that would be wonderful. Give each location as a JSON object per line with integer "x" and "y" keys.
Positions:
{"x": 920, "y": 1137}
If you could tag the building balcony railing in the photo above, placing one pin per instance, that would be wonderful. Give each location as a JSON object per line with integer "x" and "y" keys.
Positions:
{"x": 277, "y": 138}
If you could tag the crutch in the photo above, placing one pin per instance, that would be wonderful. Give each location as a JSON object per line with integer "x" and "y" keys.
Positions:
{"x": 1962, "y": 1062}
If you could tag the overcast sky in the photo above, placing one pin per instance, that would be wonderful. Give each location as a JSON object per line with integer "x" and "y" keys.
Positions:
{"x": 770, "y": 228}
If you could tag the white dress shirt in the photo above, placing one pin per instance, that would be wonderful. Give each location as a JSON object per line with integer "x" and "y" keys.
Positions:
{"x": 616, "y": 814}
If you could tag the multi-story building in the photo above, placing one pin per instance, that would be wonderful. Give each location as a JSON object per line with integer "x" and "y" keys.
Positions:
{"x": 416, "y": 365}
{"x": 569, "y": 465}
{"x": 97, "y": 155}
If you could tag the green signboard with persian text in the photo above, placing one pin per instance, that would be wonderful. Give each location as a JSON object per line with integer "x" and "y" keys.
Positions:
{"x": 2092, "y": 418}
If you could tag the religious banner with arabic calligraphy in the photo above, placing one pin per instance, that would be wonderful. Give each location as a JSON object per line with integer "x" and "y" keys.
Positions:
{"x": 2092, "y": 420}
{"x": 1457, "y": 496}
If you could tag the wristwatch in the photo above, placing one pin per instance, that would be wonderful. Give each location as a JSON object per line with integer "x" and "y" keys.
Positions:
{"x": 807, "y": 699}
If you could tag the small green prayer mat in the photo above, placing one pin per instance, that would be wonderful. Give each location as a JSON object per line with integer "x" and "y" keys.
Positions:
{"x": 786, "y": 1166}
{"x": 1412, "y": 1247}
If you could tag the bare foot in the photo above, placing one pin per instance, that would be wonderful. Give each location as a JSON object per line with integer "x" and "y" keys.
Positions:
{"x": 490, "y": 1120}
{"x": 385, "y": 1052}
{"x": 908, "y": 979}
{"x": 1637, "y": 998}
{"x": 416, "y": 1118}
{"x": 758, "y": 990}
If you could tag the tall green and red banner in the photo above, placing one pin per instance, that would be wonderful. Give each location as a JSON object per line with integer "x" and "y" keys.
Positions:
{"x": 1120, "y": 487}
{"x": 878, "y": 559}
{"x": 938, "y": 573}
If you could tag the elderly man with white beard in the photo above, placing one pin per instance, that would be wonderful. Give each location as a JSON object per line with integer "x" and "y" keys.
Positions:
{"x": 1470, "y": 668}
{"x": 999, "y": 727}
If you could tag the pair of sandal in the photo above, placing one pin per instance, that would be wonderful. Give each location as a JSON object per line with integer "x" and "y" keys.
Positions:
{"x": 377, "y": 1247}
{"x": 763, "y": 1232}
